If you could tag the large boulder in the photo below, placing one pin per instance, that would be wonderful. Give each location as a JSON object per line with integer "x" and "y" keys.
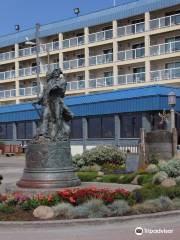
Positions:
{"x": 159, "y": 177}
{"x": 169, "y": 182}
{"x": 152, "y": 168}
{"x": 44, "y": 212}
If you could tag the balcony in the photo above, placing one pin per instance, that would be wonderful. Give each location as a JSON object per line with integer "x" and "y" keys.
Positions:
{"x": 52, "y": 46}
{"x": 165, "y": 21}
{"x": 7, "y": 93}
{"x": 101, "y": 82}
{"x": 131, "y": 78}
{"x": 48, "y": 67}
{"x": 7, "y": 56}
{"x": 75, "y": 85}
{"x": 131, "y": 54}
{"x": 101, "y": 59}
{"x": 130, "y": 29}
{"x": 165, "y": 74}
{"x": 28, "y": 91}
{"x": 101, "y": 36}
{"x": 165, "y": 48}
{"x": 7, "y": 75}
{"x": 73, "y": 64}
{"x": 73, "y": 42}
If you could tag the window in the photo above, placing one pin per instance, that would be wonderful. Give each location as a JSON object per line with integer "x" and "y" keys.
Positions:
{"x": 24, "y": 130}
{"x": 6, "y": 131}
{"x": 130, "y": 125}
{"x": 101, "y": 127}
{"x": 76, "y": 128}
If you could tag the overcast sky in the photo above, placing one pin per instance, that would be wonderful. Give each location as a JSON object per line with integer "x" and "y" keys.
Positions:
{"x": 28, "y": 12}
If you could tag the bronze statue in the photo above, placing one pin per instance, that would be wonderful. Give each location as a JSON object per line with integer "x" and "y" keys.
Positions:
{"x": 55, "y": 114}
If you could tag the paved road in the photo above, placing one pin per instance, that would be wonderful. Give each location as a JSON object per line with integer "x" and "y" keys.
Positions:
{"x": 116, "y": 231}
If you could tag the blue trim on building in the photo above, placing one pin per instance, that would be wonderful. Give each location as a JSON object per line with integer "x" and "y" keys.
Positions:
{"x": 95, "y": 18}
{"x": 149, "y": 98}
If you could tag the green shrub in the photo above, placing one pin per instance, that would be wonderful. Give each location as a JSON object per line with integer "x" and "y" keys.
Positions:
{"x": 113, "y": 178}
{"x": 145, "y": 178}
{"x": 159, "y": 177}
{"x": 119, "y": 208}
{"x": 87, "y": 176}
{"x": 156, "y": 205}
{"x": 172, "y": 168}
{"x": 93, "y": 208}
{"x": 65, "y": 210}
{"x": 153, "y": 158}
{"x": 127, "y": 178}
{"x": 99, "y": 155}
{"x": 4, "y": 208}
{"x": 30, "y": 204}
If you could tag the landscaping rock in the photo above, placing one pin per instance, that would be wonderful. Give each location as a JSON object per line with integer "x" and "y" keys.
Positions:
{"x": 43, "y": 212}
{"x": 135, "y": 180}
{"x": 169, "y": 182}
{"x": 100, "y": 173}
{"x": 152, "y": 168}
{"x": 159, "y": 177}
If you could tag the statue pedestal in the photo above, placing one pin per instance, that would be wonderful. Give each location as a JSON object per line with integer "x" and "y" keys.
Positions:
{"x": 49, "y": 165}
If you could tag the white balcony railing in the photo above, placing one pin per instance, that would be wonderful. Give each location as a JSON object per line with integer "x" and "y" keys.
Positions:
{"x": 28, "y": 91}
{"x": 165, "y": 74}
{"x": 101, "y": 82}
{"x": 131, "y": 54}
{"x": 75, "y": 63}
{"x": 73, "y": 42}
{"x": 165, "y": 48}
{"x": 7, "y": 75}
{"x": 130, "y": 29}
{"x": 100, "y": 36}
{"x": 33, "y": 70}
{"x": 7, "y": 56}
{"x": 101, "y": 59}
{"x": 131, "y": 78}
{"x": 75, "y": 85}
{"x": 167, "y": 21}
{"x": 8, "y": 93}
{"x": 52, "y": 46}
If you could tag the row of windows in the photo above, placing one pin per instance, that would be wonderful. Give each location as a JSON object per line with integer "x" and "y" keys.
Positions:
{"x": 98, "y": 127}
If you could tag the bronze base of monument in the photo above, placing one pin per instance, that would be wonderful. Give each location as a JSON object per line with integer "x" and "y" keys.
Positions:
{"x": 49, "y": 165}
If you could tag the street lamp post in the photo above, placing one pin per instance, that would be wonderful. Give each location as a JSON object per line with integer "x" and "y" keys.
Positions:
{"x": 37, "y": 44}
{"x": 172, "y": 103}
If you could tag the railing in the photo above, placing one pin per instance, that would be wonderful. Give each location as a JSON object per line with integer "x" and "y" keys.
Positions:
{"x": 165, "y": 74}
{"x": 75, "y": 85}
{"x": 48, "y": 67}
{"x": 165, "y": 21}
{"x": 76, "y": 63}
{"x": 73, "y": 42}
{"x": 7, "y": 56}
{"x": 130, "y": 29}
{"x": 101, "y": 82}
{"x": 27, "y": 71}
{"x": 7, "y": 75}
{"x": 52, "y": 46}
{"x": 165, "y": 48}
{"x": 7, "y": 93}
{"x": 131, "y": 54}
{"x": 131, "y": 78}
{"x": 101, "y": 59}
{"x": 28, "y": 91}
{"x": 100, "y": 36}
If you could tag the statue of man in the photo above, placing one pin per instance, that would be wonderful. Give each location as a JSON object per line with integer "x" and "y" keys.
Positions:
{"x": 55, "y": 115}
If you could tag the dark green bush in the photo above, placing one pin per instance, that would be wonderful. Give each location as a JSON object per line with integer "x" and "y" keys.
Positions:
{"x": 153, "y": 158}
{"x": 4, "y": 208}
{"x": 127, "y": 178}
{"x": 113, "y": 178}
{"x": 87, "y": 176}
{"x": 145, "y": 178}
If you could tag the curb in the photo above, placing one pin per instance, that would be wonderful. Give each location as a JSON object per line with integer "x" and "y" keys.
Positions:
{"x": 90, "y": 221}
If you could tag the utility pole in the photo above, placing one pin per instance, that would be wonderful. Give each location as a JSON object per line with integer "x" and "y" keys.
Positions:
{"x": 37, "y": 58}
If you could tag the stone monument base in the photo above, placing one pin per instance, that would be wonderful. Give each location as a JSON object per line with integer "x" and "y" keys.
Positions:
{"x": 49, "y": 165}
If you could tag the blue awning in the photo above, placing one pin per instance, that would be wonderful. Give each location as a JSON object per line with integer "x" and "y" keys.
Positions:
{"x": 149, "y": 98}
